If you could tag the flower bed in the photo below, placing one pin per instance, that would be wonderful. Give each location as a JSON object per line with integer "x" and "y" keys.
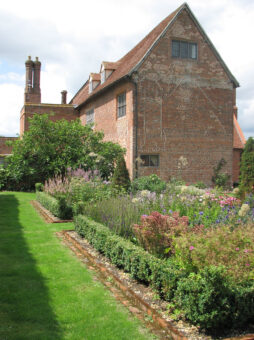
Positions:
{"x": 207, "y": 297}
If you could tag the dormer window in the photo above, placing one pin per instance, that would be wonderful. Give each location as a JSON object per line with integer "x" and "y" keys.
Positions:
{"x": 184, "y": 50}
{"x": 94, "y": 81}
{"x": 107, "y": 68}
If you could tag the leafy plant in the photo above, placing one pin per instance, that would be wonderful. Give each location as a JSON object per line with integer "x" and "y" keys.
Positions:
{"x": 220, "y": 179}
{"x": 152, "y": 183}
{"x": 247, "y": 168}
{"x": 121, "y": 178}
{"x": 156, "y": 232}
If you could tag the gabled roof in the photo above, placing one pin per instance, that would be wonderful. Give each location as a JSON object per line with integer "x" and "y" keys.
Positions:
{"x": 133, "y": 59}
{"x": 239, "y": 140}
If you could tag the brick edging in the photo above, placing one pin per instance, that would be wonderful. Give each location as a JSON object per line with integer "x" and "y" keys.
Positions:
{"x": 47, "y": 216}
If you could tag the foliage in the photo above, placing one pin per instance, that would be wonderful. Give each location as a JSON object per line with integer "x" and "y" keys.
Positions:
{"x": 200, "y": 185}
{"x": 247, "y": 167}
{"x": 38, "y": 187}
{"x": 56, "y": 205}
{"x": 220, "y": 179}
{"x": 49, "y": 148}
{"x": 121, "y": 178}
{"x": 161, "y": 274}
{"x": 232, "y": 248}
{"x": 152, "y": 183}
{"x": 156, "y": 232}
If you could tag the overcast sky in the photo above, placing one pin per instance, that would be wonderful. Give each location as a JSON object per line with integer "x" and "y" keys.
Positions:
{"x": 72, "y": 38}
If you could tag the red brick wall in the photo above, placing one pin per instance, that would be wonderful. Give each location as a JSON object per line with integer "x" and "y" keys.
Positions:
{"x": 56, "y": 112}
{"x": 185, "y": 108}
{"x": 4, "y": 149}
{"x": 115, "y": 129}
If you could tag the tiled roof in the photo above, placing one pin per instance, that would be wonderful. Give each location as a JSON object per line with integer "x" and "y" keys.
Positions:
{"x": 133, "y": 58}
{"x": 128, "y": 62}
{"x": 239, "y": 140}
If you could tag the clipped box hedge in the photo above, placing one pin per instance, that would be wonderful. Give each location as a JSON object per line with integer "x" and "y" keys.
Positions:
{"x": 57, "y": 206}
{"x": 220, "y": 305}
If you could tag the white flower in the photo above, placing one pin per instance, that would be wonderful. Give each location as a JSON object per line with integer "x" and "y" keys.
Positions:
{"x": 144, "y": 193}
{"x": 135, "y": 200}
{"x": 244, "y": 209}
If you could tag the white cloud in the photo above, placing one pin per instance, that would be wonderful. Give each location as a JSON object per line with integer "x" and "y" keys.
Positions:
{"x": 72, "y": 38}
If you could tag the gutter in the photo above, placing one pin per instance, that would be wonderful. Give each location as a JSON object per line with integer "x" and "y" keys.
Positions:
{"x": 135, "y": 120}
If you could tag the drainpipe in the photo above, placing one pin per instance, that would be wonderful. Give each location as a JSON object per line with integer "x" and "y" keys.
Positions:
{"x": 133, "y": 79}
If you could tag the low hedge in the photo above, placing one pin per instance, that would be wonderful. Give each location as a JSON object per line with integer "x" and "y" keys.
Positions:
{"x": 220, "y": 304}
{"x": 57, "y": 206}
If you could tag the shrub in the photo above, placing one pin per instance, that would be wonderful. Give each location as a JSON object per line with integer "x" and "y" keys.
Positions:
{"x": 57, "y": 206}
{"x": 206, "y": 298}
{"x": 152, "y": 183}
{"x": 163, "y": 275}
{"x": 121, "y": 178}
{"x": 200, "y": 185}
{"x": 247, "y": 167}
{"x": 156, "y": 232}
{"x": 209, "y": 299}
{"x": 219, "y": 246}
{"x": 38, "y": 187}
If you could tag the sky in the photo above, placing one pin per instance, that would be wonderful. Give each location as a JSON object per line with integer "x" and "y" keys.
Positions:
{"x": 72, "y": 38}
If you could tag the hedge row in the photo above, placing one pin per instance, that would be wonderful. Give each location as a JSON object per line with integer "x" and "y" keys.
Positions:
{"x": 57, "y": 206}
{"x": 206, "y": 298}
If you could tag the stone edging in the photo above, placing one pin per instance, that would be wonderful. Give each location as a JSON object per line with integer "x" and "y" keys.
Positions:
{"x": 47, "y": 216}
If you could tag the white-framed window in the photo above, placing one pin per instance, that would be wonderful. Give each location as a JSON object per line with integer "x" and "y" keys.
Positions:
{"x": 150, "y": 160}
{"x": 184, "y": 49}
{"x": 90, "y": 116}
{"x": 121, "y": 105}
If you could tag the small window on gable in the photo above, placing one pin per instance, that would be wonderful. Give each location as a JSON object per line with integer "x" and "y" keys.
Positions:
{"x": 121, "y": 105}
{"x": 103, "y": 76}
{"x": 90, "y": 116}
{"x": 150, "y": 160}
{"x": 184, "y": 50}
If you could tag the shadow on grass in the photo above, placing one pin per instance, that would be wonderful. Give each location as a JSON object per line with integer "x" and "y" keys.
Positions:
{"x": 25, "y": 311}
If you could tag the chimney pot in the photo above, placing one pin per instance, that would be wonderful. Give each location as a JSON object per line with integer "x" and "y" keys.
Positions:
{"x": 64, "y": 97}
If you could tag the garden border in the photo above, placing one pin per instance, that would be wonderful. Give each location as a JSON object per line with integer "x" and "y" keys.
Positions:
{"x": 46, "y": 214}
{"x": 140, "y": 305}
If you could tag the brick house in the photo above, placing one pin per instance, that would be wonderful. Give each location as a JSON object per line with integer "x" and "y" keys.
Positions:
{"x": 170, "y": 101}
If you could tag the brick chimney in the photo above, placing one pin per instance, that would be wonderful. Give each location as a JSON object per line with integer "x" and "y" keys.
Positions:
{"x": 32, "y": 89}
{"x": 64, "y": 97}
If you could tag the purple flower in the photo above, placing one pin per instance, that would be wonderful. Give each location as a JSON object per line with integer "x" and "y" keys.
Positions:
{"x": 201, "y": 213}
{"x": 247, "y": 264}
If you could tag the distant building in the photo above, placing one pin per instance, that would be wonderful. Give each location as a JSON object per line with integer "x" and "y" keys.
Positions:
{"x": 170, "y": 101}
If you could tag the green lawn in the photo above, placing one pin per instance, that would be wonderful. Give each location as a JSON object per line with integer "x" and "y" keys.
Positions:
{"x": 45, "y": 291}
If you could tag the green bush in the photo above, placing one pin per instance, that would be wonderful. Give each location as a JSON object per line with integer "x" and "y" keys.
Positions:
{"x": 162, "y": 275}
{"x": 152, "y": 183}
{"x": 219, "y": 178}
{"x": 38, "y": 187}
{"x": 57, "y": 206}
{"x": 121, "y": 178}
{"x": 211, "y": 301}
{"x": 247, "y": 168}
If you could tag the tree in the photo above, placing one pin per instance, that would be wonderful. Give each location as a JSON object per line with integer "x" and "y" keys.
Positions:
{"x": 121, "y": 178}
{"x": 50, "y": 148}
{"x": 247, "y": 167}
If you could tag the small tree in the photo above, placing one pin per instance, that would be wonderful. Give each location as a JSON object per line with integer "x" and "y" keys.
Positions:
{"x": 220, "y": 179}
{"x": 121, "y": 178}
{"x": 247, "y": 168}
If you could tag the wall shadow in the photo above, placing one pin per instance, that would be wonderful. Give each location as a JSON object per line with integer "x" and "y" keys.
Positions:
{"x": 25, "y": 306}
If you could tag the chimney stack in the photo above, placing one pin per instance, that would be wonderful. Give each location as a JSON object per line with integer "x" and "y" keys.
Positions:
{"x": 64, "y": 97}
{"x": 32, "y": 89}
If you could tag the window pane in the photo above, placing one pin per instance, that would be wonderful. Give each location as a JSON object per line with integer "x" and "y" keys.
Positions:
{"x": 175, "y": 49}
{"x": 184, "y": 49}
{"x": 90, "y": 116}
{"x": 154, "y": 160}
{"x": 121, "y": 105}
{"x": 193, "y": 51}
{"x": 145, "y": 160}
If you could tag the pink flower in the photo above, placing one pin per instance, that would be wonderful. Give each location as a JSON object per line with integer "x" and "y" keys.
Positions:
{"x": 191, "y": 248}
{"x": 237, "y": 249}
{"x": 246, "y": 250}
{"x": 247, "y": 264}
